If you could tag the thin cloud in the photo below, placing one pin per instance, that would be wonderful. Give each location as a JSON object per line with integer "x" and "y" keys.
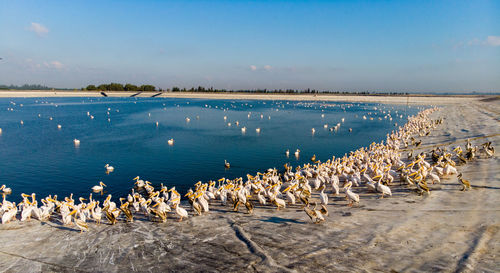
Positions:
{"x": 39, "y": 29}
{"x": 493, "y": 41}
{"x": 56, "y": 64}
{"x": 253, "y": 67}
{"x": 53, "y": 65}
{"x": 490, "y": 41}
{"x": 267, "y": 67}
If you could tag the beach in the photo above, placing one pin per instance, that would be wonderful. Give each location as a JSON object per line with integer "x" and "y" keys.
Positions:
{"x": 447, "y": 231}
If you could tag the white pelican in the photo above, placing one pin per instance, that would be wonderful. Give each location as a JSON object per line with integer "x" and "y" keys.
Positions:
{"x": 257, "y": 130}
{"x": 287, "y": 153}
{"x": 325, "y": 126}
{"x": 188, "y": 119}
{"x": 171, "y": 141}
{"x": 226, "y": 164}
{"x": 59, "y": 126}
{"x": 322, "y": 196}
{"x": 5, "y": 190}
{"x": 0, "y": 131}
{"x": 109, "y": 168}
{"x": 9, "y": 214}
{"x": 140, "y": 183}
{"x": 351, "y": 196}
{"x": 181, "y": 212}
{"x": 243, "y": 129}
{"x": 76, "y": 141}
{"x": 383, "y": 188}
{"x": 313, "y": 130}
{"x": 297, "y": 153}
{"x": 22, "y": 122}
{"x": 99, "y": 188}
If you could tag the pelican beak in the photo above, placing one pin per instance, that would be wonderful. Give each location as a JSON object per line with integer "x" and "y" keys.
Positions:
{"x": 378, "y": 176}
{"x": 412, "y": 174}
{"x": 155, "y": 205}
{"x": 401, "y": 167}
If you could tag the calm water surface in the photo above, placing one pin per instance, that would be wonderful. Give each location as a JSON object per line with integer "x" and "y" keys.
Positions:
{"x": 38, "y": 157}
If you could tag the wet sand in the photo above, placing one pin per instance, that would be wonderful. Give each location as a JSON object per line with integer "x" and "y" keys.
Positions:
{"x": 448, "y": 231}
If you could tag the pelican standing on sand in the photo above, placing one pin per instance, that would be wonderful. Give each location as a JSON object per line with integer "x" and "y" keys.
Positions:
{"x": 351, "y": 196}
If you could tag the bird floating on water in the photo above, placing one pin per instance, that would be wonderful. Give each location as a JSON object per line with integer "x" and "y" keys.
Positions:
{"x": 243, "y": 129}
{"x": 5, "y": 190}
{"x": 287, "y": 153}
{"x": 226, "y": 164}
{"x": 76, "y": 141}
{"x": 59, "y": 126}
{"x": 257, "y": 130}
{"x": 171, "y": 141}
{"x": 297, "y": 152}
{"x": 98, "y": 188}
{"x": 109, "y": 168}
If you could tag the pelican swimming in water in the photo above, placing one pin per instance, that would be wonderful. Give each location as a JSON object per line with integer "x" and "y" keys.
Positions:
{"x": 226, "y": 164}
{"x": 109, "y": 168}
{"x": 287, "y": 153}
{"x": 76, "y": 141}
{"x": 99, "y": 188}
{"x": 257, "y": 130}
{"x": 171, "y": 142}
{"x": 243, "y": 129}
{"x": 297, "y": 153}
{"x": 5, "y": 190}
{"x": 140, "y": 183}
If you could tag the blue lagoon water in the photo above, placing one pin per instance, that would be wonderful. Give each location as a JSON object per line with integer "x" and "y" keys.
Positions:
{"x": 38, "y": 157}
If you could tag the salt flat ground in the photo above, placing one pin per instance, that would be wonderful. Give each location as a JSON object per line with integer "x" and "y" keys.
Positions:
{"x": 449, "y": 231}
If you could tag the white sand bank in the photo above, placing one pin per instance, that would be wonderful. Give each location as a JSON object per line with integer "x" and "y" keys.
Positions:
{"x": 412, "y": 99}
{"x": 450, "y": 230}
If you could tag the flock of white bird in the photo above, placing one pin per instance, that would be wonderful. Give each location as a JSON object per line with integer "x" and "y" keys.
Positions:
{"x": 374, "y": 168}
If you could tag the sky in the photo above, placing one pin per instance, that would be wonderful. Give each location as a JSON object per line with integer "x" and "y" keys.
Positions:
{"x": 386, "y": 46}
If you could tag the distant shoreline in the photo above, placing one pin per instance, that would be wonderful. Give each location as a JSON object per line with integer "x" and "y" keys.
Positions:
{"x": 376, "y": 98}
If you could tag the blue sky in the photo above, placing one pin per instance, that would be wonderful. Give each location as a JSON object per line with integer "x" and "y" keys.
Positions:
{"x": 408, "y": 46}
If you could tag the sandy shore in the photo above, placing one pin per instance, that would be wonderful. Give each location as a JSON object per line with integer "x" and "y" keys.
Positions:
{"x": 450, "y": 230}
{"x": 411, "y": 99}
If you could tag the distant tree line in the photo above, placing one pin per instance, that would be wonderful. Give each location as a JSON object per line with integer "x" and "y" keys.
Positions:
{"x": 282, "y": 91}
{"x": 147, "y": 87}
{"x": 25, "y": 87}
{"x": 120, "y": 87}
